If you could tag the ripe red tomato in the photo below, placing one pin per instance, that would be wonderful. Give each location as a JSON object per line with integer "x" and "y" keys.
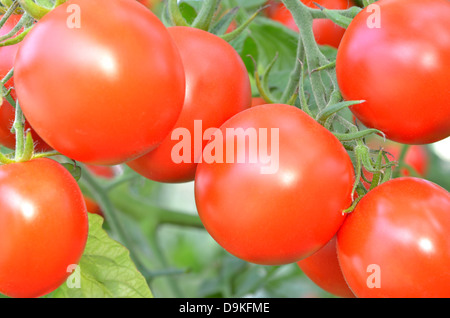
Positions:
{"x": 396, "y": 242}
{"x": 106, "y": 172}
{"x": 288, "y": 211}
{"x": 217, "y": 87}
{"x": 92, "y": 206}
{"x": 325, "y": 31}
{"x": 7, "y": 112}
{"x": 100, "y": 88}
{"x": 43, "y": 227}
{"x": 399, "y": 68}
{"x": 324, "y": 270}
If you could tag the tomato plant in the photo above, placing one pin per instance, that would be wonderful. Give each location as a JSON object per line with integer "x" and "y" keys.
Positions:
{"x": 323, "y": 269}
{"x": 392, "y": 62}
{"x": 294, "y": 210}
{"x": 205, "y": 101}
{"x": 149, "y": 101}
{"x": 109, "y": 96}
{"x": 43, "y": 227}
{"x": 403, "y": 221}
{"x": 326, "y": 32}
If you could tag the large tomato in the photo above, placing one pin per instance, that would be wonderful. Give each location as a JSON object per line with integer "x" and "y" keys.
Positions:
{"x": 400, "y": 68}
{"x": 325, "y": 31}
{"x": 274, "y": 193}
{"x": 396, "y": 242}
{"x": 7, "y": 112}
{"x": 43, "y": 227}
{"x": 217, "y": 87}
{"x": 102, "y": 82}
{"x": 324, "y": 270}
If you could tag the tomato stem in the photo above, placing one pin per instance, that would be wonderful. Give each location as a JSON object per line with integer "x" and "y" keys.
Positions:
{"x": 16, "y": 39}
{"x": 205, "y": 15}
{"x": 235, "y": 33}
{"x": 18, "y": 127}
{"x": 175, "y": 15}
{"x": 401, "y": 160}
{"x": 314, "y": 56}
{"x": 33, "y": 9}
{"x": 295, "y": 78}
{"x": 11, "y": 9}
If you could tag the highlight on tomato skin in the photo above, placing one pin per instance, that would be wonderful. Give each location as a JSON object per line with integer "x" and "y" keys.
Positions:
{"x": 43, "y": 227}
{"x": 395, "y": 243}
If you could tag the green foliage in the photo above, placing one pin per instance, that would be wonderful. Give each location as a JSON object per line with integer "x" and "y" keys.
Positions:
{"x": 105, "y": 270}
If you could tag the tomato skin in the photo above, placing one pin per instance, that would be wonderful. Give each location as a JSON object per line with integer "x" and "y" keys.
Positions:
{"x": 110, "y": 96}
{"x": 325, "y": 31}
{"x": 92, "y": 206}
{"x": 324, "y": 270}
{"x": 399, "y": 69}
{"x": 217, "y": 87}
{"x": 401, "y": 226}
{"x": 284, "y": 216}
{"x": 106, "y": 172}
{"x": 43, "y": 227}
{"x": 258, "y": 101}
{"x": 7, "y": 112}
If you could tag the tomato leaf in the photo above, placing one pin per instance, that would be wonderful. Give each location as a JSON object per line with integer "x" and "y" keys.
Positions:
{"x": 105, "y": 270}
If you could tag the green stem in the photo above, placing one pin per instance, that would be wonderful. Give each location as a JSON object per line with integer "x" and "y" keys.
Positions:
{"x": 10, "y": 11}
{"x": 235, "y": 33}
{"x": 314, "y": 57}
{"x": 18, "y": 127}
{"x": 401, "y": 160}
{"x": 22, "y": 22}
{"x": 5, "y": 160}
{"x": 16, "y": 39}
{"x": 175, "y": 15}
{"x": 294, "y": 77}
{"x": 46, "y": 154}
{"x": 33, "y": 9}
{"x": 204, "y": 17}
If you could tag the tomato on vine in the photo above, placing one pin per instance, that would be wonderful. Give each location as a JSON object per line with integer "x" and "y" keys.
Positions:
{"x": 100, "y": 88}
{"x": 275, "y": 188}
{"x": 396, "y": 58}
{"x": 396, "y": 244}
{"x": 43, "y": 227}
{"x": 217, "y": 87}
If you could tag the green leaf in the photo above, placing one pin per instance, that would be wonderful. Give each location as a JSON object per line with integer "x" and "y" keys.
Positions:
{"x": 74, "y": 170}
{"x": 105, "y": 270}
{"x": 188, "y": 12}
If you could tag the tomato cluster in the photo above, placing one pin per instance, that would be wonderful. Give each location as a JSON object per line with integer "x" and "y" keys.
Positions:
{"x": 272, "y": 185}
